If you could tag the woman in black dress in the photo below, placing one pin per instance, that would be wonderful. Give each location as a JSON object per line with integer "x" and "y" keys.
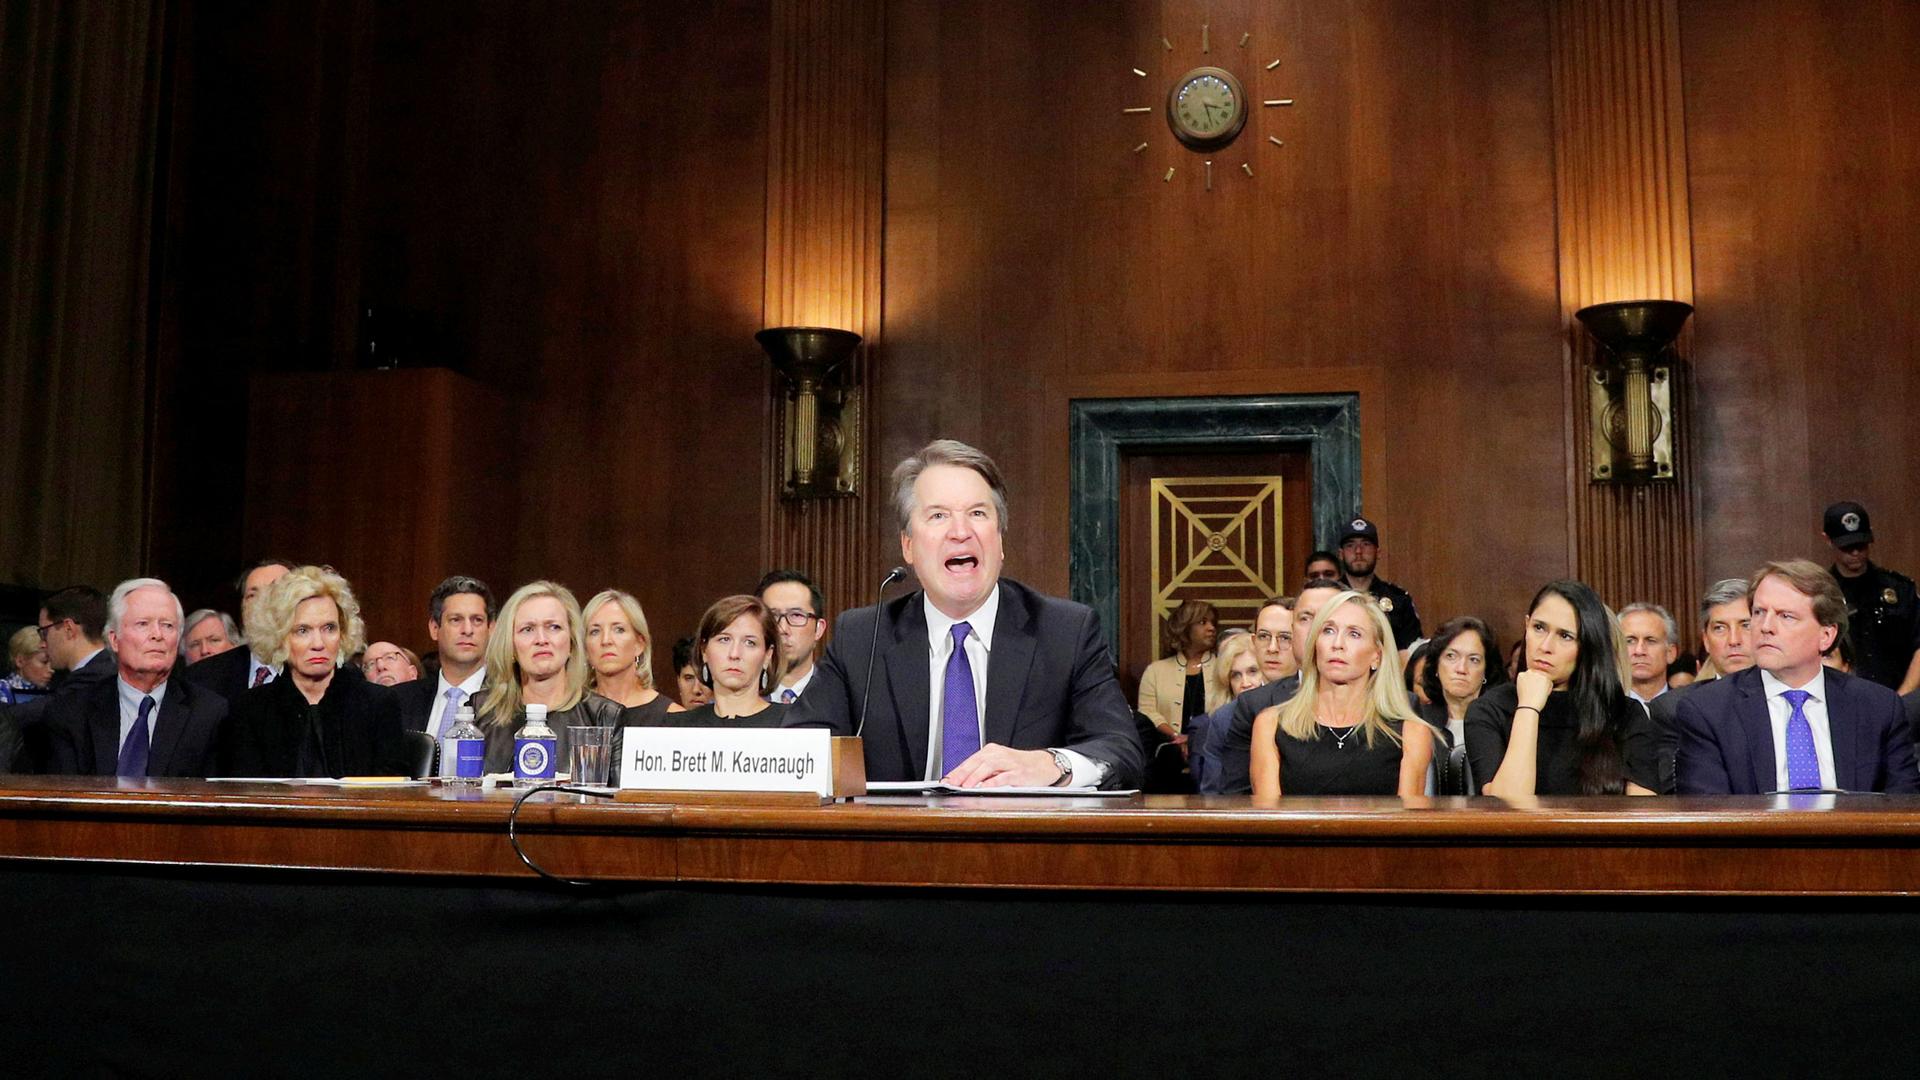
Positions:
{"x": 620, "y": 652}
{"x": 1565, "y": 725}
{"x": 1350, "y": 729}
{"x": 319, "y": 718}
{"x": 537, "y": 655}
{"x": 735, "y": 649}
{"x": 1463, "y": 660}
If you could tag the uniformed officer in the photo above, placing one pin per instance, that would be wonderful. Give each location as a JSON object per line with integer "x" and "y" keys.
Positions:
{"x": 1359, "y": 554}
{"x": 1882, "y": 608}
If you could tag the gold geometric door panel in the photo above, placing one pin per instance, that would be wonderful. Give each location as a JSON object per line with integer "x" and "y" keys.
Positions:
{"x": 1214, "y": 538}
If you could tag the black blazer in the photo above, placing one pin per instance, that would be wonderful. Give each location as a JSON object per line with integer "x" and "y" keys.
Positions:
{"x": 34, "y": 751}
{"x": 417, "y": 700}
{"x": 224, "y": 673}
{"x": 1050, "y": 683}
{"x": 360, "y": 729}
{"x": 1726, "y": 738}
{"x": 83, "y": 731}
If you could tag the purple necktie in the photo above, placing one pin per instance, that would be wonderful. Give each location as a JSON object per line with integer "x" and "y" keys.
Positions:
{"x": 959, "y": 712}
{"x": 452, "y": 710}
{"x": 133, "y": 752}
{"x": 787, "y": 696}
{"x": 1803, "y": 760}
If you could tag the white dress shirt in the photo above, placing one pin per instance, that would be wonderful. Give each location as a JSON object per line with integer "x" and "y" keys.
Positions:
{"x": 979, "y": 645}
{"x": 1815, "y": 710}
{"x": 799, "y": 686}
{"x": 469, "y": 686}
{"x": 130, "y": 710}
{"x": 1635, "y": 694}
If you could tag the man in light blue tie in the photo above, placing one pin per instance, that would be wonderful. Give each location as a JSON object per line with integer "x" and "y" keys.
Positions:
{"x": 800, "y": 612}
{"x": 975, "y": 679}
{"x": 1788, "y": 723}
{"x": 460, "y": 615}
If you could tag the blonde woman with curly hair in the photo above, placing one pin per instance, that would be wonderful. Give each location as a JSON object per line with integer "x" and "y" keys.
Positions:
{"x": 319, "y": 717}
{"x": 537, "y": 655}
{"x": 1350, "y": 730}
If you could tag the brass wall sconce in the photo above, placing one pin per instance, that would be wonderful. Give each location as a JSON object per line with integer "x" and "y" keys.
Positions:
{"x": 1630, "y": 391}
{"x": 820, "y": 448}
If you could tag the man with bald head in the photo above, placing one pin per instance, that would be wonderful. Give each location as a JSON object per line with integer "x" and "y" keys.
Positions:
{"x": 142, "y": 722}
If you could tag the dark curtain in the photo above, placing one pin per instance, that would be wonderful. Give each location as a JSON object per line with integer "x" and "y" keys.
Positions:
{"x": 82, "y": 96}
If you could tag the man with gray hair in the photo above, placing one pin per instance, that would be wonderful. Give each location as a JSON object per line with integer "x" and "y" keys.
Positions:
{"x": 1726, "y": 629}
{"x": 978, "y": 681}
{"x": 141, "y": 723}
{"x": 208, "y": 633}
{"x": 1653, "y": 641}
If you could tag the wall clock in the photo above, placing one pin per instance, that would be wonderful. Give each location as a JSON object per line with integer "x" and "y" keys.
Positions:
{"x": 1208, "y": 107}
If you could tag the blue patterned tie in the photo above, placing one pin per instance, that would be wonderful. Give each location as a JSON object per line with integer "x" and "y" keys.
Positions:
{"x": 787, "y": 696}
{"x": 133, "y": 752}
{"x": 454, "y": 694}
{"x": 1803, "y": 760}
{"x": 959, "y": 712}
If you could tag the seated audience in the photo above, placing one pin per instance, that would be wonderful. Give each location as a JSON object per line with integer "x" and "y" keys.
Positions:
{"x": 237, "y": 670}
{"x": 1565, "y": 726}
{"x": 539, "y": 658}
{"x": 1416, "y": 672}
{"x": 1839, "y": 656}
{"x": 800, "y": 612}
{"x": 620, "y": 651}
{"x": 686, "y": 671}
{"x": 1230, "y": 745}
{"x": 1178, "y": 686}
{"x": 1682, "y": 672}
{"x": 317, "y": 716}
{"x": 460, "y": 621}
{"x": 1239, "y": 668}
{"x": 1323, "y": 566}
{"x": 389, "y": 664}
{"x": 1726, "y": 630}
{"x": 1789, "y": 723}
{"x": 32, "y": 673}
{"x": 1653, "y": 643}
{"x": 1465, "y": 661}
{"x": 143, "y": 722}
{"x": 737, "y": 660}
{"x": 1350, "y": 729}
{"x": 72, "y": 623}
{"x": 1273, "y": 639}
{"x": 209, "y": 633}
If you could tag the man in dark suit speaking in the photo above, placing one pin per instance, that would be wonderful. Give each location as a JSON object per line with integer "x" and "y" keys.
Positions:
{"x": 1788, "y": 723}
{"x": 977, "y": 680}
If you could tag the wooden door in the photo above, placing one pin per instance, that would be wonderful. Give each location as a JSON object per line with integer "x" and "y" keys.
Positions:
{"x": 1232, "y": 528}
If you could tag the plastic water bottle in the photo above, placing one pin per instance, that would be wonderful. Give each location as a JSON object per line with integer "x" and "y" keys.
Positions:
{"x": 463, "y": 750}
{"x": 534, "y": 749}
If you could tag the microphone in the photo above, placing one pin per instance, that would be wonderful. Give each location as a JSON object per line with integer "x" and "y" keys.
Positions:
{"x": 873, "y": 646}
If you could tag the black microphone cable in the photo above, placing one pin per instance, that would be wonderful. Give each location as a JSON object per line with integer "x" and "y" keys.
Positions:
{"x": 513, "y": 818}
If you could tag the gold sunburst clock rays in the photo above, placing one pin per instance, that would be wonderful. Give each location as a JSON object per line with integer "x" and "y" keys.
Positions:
{"x": 1207, "y": 110}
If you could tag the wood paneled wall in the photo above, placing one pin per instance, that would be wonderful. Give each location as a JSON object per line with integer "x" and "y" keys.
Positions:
{"x": 825, "y": 154}
{"x": 1620, "y": 172}
{"x": 1401, "y": 244}
{"x": 1803, "y": 136}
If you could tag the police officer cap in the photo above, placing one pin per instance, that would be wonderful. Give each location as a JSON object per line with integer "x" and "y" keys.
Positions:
{"x": 1360, "y": 528}
{"x": 1847, "y": 524}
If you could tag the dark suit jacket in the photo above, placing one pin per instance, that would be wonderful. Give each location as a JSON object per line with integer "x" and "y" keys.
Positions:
{"x": 1726, "y": 739}
{"x": 417, "y": 700}
{"x": 1666, "y": 731}
{"x": 1050, "y": 683}
{"x": 360, "y": 730}
{"x": 224, "y": 674}
{"x": 1230, "y": 747}
{"x": 35, "y": 749}
{"x": 84, "y": 731}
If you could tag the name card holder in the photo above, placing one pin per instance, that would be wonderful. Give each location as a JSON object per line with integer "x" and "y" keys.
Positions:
{"x": 777, "y": 766}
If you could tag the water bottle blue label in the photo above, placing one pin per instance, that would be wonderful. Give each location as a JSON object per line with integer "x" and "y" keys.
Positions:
{"x": 533, "y": 759}
{"x": 469, "y": 758}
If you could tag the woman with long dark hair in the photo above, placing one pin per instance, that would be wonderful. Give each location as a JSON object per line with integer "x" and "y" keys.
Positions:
{"x": 1565, "y": 726}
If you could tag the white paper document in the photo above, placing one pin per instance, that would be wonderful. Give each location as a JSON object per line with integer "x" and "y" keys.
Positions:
{"x": 937, "y": 787}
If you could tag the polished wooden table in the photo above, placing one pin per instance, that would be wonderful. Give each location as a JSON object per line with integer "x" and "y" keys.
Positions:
{"x": 186, "y": 928}
{"x": 1787, "y": 845}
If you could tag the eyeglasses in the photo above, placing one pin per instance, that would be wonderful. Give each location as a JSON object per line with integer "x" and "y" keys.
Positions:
{"x": 47, "y": 628}
{"x": 796, "y": 617}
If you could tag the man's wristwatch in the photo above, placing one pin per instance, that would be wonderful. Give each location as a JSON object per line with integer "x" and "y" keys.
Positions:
{"x": 1065, "y": 764}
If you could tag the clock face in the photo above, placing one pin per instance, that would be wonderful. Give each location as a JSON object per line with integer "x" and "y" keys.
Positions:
{"x": 1207, "y": 108}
